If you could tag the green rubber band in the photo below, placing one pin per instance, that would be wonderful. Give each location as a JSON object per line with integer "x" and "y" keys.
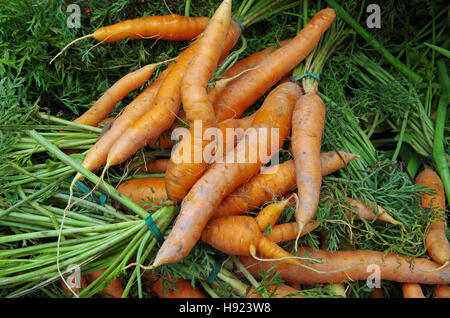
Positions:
{"x": 240, "y": 24}
{"x": 154, "y": 229}
{"x": 216, "y": 268}
{"x": 295, "y": 79}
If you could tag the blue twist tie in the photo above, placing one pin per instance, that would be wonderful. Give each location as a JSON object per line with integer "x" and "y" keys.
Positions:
{"x": 295, "y": 79}
{"x": 240, "y": 24}
{"x": 154, "y": 229}
{"x": 216, "y": 268}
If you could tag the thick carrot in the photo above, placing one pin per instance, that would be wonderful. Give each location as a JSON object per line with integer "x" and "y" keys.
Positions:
{"x": 442, "y": 291}
{"x": 222, "y": 178}
{"x": 436, "y": 241}
{"x": 103, "y": 106}
{"x": 277, "y": 291}
{"x": 155, "y": 166}
{"x": 241, "y": 235}
{"x": 276, "y": 181}
{"x": 339, "y": 266}
{"x": 412, "y": 290}
{"x": 145, "y": 190}
{"x": 162, "y": 114}
{"x": 246, "y": 90}
{"x": 181, "y": 177}
{"x": 194, "y": 95}
{"x": 308, "y": 122}
{"x": 178, "y": 288}
{"x": 113, "y": 290}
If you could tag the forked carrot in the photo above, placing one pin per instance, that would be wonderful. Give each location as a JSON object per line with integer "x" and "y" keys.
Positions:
{"x": 274, "y": 182}
{"x": 248, "y": 88}
{"x": 103, "y": 106}
{"x": 222, "y": 178}
{"x": 412, "y": 290}
{"x": 241, "y": 235}
{"x": 289, "y": 231}
{"x": 436, "y": 241}
{"x": 339, "y": 266}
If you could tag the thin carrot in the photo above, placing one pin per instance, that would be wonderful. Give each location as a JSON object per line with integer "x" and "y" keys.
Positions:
{"x": 144, "y": 190}
{"x": 103, "y": 106}
{"x": 276, "y": 181}
{"x": 171, "y": 27}
{"x": 339, "y": 266}
{"x": 289, "y": 231}
{"x": 270, "y": 214}
{"x": 442, "y": 291}
{"x": 412, "y": 290}
{"x": 222, "y": 178}
{"x": 247, "y": 89}
{"x": 113, "y": 290}
{"x": 436, "y": 241}
{"x": 241, "y": 235}
{"x": 178, "y": 288}
{"x": 308, "y": 122}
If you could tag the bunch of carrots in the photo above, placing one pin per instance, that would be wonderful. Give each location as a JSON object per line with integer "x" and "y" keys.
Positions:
{"x": 216, "y": 194}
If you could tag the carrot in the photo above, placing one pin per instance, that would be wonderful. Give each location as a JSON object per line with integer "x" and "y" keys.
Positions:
{"x": 412, "y": 290}
{"x": 155, "y": 166}
{"x": 289, "y": 231}
{"x": 436, "y": 241}
{"x": 222, "y": 178}
{"x": 68, "y": 292}
{"x": 113, "y": 290}
{"x": 442, "y": 291}
{"x": 103, "y": 106}
{"x": 277, "y": 291}
{"x": 241, "y": 235}
{"x": 195, "y": 99}
{"x": 145, "y": 190}
{"x": 377, "y": 293}
{"x": 339, "y": 266}
{"x": 308, "y": 122}
{"x": 277, "y": 180}
{"x": 171, "y": 27}
{"x": 270, "y": 214}
{"x": 178, "y": 288}
{"x": 162, "y": 114}
{"x": 186, "y": 174}
{"x": 247, "y": 89}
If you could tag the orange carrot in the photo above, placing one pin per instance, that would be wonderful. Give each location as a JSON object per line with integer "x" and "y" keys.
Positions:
{"x": 113, "y": 290}
{"x": 289, "y": 231}
{"x": 222, "y": 178}
{"x": 365, "y": 211}
{"x": 83, "y": 284}
{"x": 377, "y": 293}
{"x": 277, "y": 291}
{"x": 186, "y": 174}
{"x": 412, "y": 290}
{"x": 276, "y": 181}
{"x": 145, "y": 190}
{"x": 162, "y": 114}
{"x": 339, "y": 266}
{"x": 195, "y": 99}
{"x": 103, "y": 106}
{"x": 436, "y": 241}
{"x": 155, "y": 166}
{"x": 178, "y": 288}
{"x": 442, "y": 291}
{"x": 171, "y": 27}
{"x": 308, "y": 122}
{"x": 244, "y": 91}
{"x": 270, "y": 214}
{"x": 241, "y": 235}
